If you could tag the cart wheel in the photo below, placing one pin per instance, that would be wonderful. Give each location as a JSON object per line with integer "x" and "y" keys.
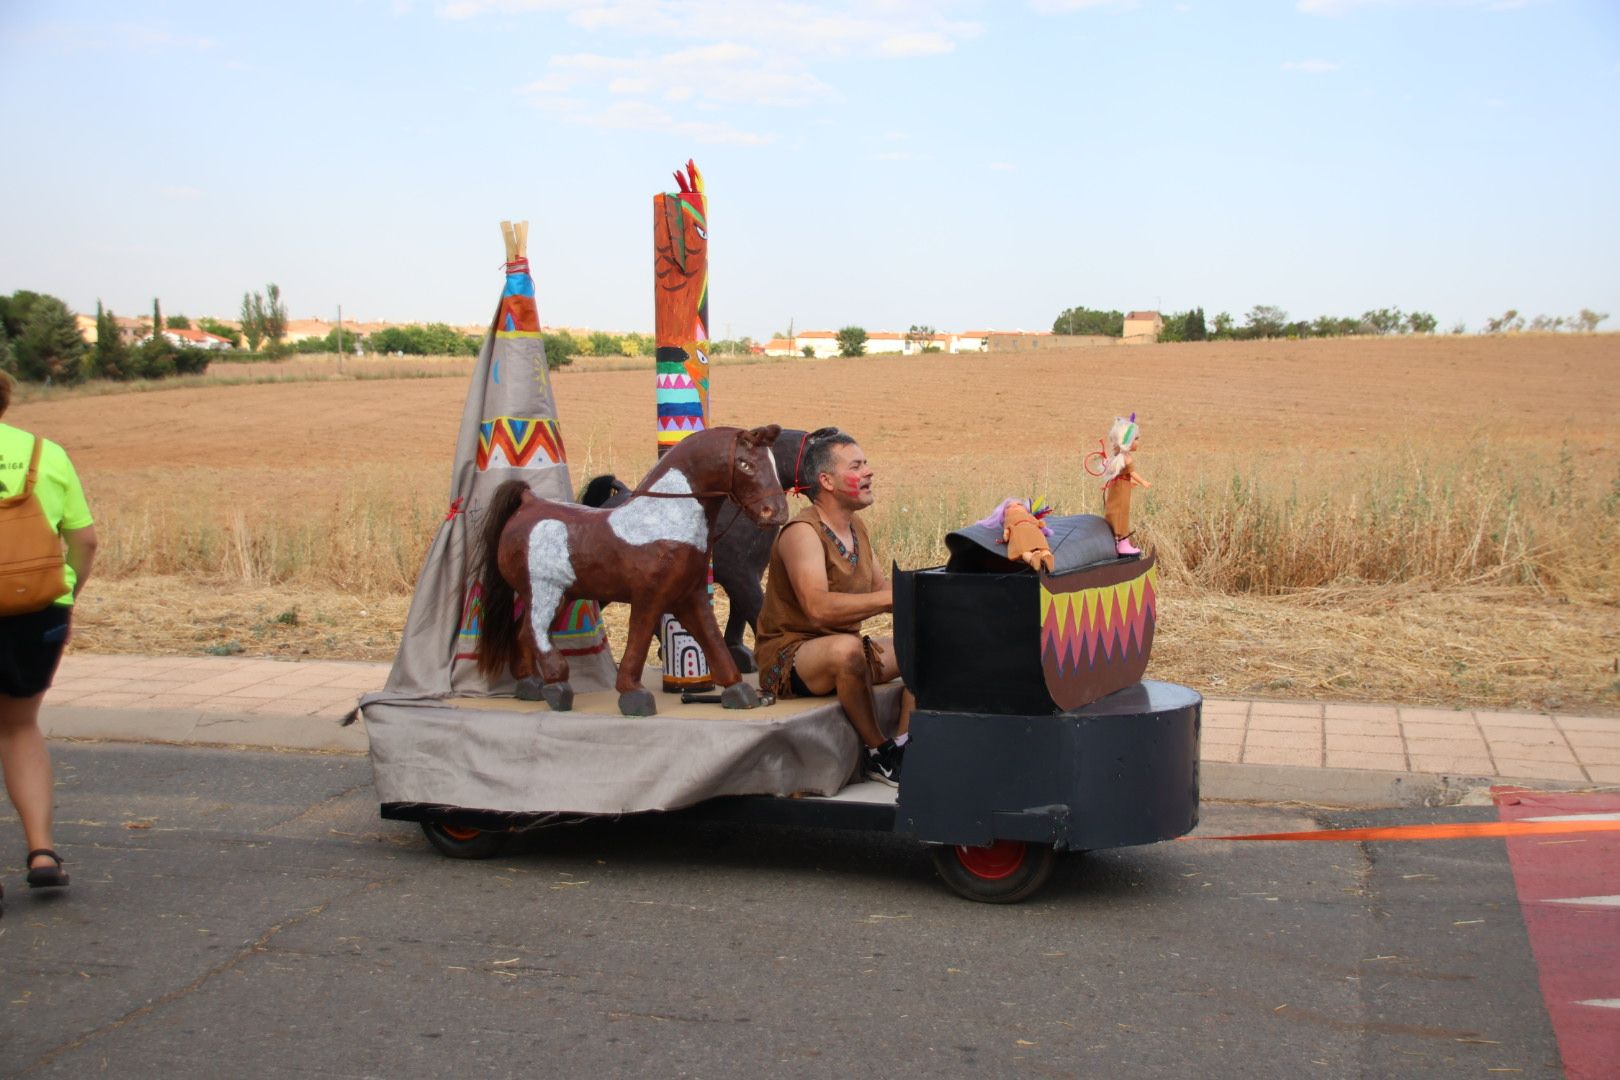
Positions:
{"x": 459, "y": 842}
{"x": 1002, "y": 873}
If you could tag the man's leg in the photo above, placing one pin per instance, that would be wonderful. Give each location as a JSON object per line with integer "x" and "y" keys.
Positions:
{"x": 837, "y": 664}
{"x": 890, "y": 671}
{"x": 27, "y": 766}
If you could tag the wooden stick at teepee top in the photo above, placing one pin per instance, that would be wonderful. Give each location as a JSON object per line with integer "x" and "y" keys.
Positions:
{"x": 516, "y": 238}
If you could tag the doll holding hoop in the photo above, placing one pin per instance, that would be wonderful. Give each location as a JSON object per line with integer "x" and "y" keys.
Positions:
{"x": 1119, "y": 475}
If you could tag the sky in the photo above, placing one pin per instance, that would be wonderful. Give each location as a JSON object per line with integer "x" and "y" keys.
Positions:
{"x": 963, "y": 164}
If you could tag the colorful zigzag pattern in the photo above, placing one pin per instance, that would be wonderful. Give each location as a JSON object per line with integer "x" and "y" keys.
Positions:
{"x": 1080, "y": 628}
{"x": 576, "y": 629}
{"x": 518, "y": 440}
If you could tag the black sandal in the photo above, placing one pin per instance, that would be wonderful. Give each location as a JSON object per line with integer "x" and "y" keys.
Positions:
{"x": 46, "y": 877}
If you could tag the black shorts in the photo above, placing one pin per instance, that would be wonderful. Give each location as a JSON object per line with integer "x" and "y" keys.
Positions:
{"x": 30, "y": 648}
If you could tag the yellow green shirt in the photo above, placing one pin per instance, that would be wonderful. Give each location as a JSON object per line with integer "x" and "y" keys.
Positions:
{"x": 58, "y": 489}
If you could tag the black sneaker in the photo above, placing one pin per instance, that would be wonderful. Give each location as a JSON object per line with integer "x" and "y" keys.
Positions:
{"x": 883, "y": 763}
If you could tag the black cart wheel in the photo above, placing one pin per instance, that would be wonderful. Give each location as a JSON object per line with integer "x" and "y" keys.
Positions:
{"x": 460, "y": 842}
{"x": 1004, "y": 872}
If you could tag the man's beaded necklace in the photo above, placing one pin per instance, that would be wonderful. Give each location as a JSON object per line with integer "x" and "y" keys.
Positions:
{"x": 852, "y": 557}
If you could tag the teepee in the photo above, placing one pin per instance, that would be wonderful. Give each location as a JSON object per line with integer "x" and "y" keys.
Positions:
{"x": 508, "y": 429}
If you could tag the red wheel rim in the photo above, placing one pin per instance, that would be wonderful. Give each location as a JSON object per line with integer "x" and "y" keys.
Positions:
{"x": 999, "y": 860}
{"x": 457, "y": 832}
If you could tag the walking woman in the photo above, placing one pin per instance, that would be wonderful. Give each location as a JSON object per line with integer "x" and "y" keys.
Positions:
{"x": 31, "y": 642}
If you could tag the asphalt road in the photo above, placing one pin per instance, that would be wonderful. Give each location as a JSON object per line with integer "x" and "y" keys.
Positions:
{"x": 247, "y": 914}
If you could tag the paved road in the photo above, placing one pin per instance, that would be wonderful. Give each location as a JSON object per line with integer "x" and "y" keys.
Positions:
{"x": 246, "y": 913}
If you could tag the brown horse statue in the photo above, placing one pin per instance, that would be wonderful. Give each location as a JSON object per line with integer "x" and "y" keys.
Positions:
{"x": 651, "y": 552}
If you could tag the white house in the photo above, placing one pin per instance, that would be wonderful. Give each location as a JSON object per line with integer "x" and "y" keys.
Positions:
{"x": 970, "y": 341}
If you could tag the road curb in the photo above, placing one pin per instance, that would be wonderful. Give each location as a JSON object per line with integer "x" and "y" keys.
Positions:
{"x": 183, "y": 727}
{"x": 1354, "y": 788}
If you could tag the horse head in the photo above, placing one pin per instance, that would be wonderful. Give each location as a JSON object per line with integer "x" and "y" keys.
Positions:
{"x": 755, "y": 484}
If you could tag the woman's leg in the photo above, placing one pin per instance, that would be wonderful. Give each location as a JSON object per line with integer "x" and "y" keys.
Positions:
{"x": 27, "y": 768}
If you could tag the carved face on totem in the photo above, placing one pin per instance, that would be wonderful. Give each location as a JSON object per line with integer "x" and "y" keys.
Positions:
{"x": 681, "y": 299}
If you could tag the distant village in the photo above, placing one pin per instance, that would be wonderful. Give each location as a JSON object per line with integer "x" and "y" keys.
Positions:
{"x": 1141, "y": 327}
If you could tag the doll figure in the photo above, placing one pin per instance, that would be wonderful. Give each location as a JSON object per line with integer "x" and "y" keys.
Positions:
{"x": 1119, "y": 475}
{"x": 1023, "y": 532}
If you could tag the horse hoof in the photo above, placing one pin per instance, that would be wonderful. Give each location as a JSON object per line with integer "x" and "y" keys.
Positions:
{"x": 560, "y": 696}
{"x": 530, "y": 689}
{"x": 744, "y": 657}
{"x": 638, "y": 703}
{"x": 739, "y": 696}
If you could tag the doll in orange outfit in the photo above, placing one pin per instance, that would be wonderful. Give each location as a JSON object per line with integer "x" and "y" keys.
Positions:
{"x": 1119, "y": 475}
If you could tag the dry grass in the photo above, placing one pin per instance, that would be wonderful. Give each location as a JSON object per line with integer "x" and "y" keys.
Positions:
{"x": 1433, "y": 521}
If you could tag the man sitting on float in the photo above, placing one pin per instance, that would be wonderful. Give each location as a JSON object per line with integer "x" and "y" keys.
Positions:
{"x": 825, "y": 581}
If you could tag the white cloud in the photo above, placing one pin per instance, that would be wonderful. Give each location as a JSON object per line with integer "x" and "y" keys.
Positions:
{"x": 923, "y": 43}
{"x": 629, "y": 86}
{"x": 728, "y": 73}
{"x": 645, "y": 116}
{"x": 1062, "y": 7}
{"x": 1312, "y": 67}
{"x": 1346, "y": 7}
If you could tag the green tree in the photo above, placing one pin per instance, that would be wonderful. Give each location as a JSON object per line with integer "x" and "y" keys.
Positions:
{"x": 14, "y": 310}
{"x": 275, "y": 314}
{"x": 8, "y": 356}
{"x": 1192, "y": 325}
{"x": 109, "y": 356}
{"x": 852, "y": 341}
{"x": 1511, "y": 322}
{"x": 603, "y": 344}
{"x": 1587, "y": 321}
{"x": 808, "y": 352}
{"x": 1421, "y": 322}
{"x": 1265, "y": 321}
{"x": 177, "y": 322}
{"x": 253, "y": 320}
{"x": 561, "y": 348}
{"x": 219, "y": 329}
{"x": 1084, "y": 320}
{"x": 920, "y": 337}
{"x": 1223, "y": 326}
{"x": 1385, "y": 320}
{"x": 157, "y": 318}
{"x": 50, "y": 347}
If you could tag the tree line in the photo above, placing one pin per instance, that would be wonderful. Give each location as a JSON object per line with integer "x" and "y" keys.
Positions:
{"x": 1268, "y": 321}
{"x": 40, "y": 342}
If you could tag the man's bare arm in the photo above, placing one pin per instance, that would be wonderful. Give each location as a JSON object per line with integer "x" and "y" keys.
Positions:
{"x": 802, "y": 556}
{"x": 81, "y": 554}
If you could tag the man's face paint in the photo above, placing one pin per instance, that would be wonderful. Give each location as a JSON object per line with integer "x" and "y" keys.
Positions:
{"x": 852, "y": 477}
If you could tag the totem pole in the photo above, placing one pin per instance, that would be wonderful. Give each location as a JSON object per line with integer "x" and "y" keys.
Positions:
{"x": 681, "y": 327}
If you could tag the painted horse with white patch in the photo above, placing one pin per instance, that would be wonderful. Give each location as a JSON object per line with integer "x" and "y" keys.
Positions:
{"x": 651, "y": 552}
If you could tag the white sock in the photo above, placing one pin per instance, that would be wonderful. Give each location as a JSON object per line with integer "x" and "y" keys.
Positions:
{"x": 902, "y": 739}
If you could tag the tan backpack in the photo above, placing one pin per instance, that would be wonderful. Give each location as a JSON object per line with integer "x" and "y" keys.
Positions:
{"x": 30, "y": 551}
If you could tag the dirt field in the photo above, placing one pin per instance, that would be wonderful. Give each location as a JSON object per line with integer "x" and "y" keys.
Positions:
{"x": 1314, "y": 417}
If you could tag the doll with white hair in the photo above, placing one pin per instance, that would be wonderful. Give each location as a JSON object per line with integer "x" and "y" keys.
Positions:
{"x": 1119, "y": 475}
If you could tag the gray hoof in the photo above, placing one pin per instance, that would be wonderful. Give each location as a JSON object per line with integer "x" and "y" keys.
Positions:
{"x": 531, "y": 689}
{"x": 744, "y": 657}
{"x": 638, "y": 703}
{"x": 560, "y": 696}
{"x": 739, "y": 696}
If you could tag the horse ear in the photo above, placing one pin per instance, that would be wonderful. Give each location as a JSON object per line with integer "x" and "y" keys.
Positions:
{"x": 762, "y": 436}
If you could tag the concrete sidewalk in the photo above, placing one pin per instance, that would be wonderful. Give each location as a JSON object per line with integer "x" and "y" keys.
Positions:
{"x": 1272, "y": 750}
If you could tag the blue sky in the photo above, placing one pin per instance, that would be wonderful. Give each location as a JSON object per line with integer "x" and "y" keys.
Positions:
{"x": 961, "y": 164}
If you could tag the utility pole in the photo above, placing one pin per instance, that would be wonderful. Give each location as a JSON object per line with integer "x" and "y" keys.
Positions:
{"x": 340, "y": 339}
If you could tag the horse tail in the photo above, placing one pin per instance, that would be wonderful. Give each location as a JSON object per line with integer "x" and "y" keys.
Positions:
{"x": 498, "y": 632}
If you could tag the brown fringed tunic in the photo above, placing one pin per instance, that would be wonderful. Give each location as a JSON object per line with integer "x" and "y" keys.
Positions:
{"x": 783, "y": 625}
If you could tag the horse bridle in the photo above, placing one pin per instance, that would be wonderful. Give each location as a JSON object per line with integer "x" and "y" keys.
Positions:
{"x": 730, "y": 491}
